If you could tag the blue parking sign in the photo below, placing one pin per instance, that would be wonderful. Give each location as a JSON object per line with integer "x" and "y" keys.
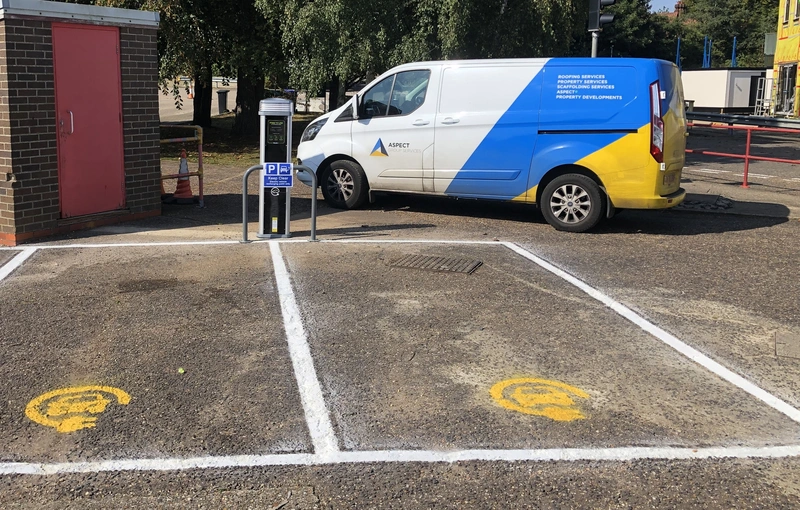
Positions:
{"x": 278, "y": 175}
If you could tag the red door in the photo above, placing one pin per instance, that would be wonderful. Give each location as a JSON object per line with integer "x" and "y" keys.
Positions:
{"x": 89, "y": 115}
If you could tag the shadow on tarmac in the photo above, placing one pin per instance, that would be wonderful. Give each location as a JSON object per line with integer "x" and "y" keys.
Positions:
{"x": 363, "y": 230}
{"x": 226, "y": 209}
{"x": 708, "y": 214}
{"x": 683, "y": 223}
{"x": 655, "y": 222}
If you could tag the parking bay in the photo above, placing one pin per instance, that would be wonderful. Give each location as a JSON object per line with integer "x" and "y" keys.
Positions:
{"x": 508, "y": 357}
{"x": 416, "y": 359}
{"x": 192, "y": 335}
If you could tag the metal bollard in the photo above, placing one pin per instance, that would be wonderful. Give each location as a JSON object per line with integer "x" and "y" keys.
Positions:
{"x": 301, "y": 168}
{"x": 244, "y": 201}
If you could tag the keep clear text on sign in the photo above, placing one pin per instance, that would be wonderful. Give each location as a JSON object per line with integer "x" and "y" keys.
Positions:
{"x": 278, "y": 175}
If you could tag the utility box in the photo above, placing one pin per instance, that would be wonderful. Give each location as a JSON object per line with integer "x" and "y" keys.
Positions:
{"x": 222, "y": 100}
{"x": 79, "y": 123}
{"x": 722, "y": 90}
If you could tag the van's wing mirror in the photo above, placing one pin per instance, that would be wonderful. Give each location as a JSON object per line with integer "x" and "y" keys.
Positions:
{"x": 356, "y": 106}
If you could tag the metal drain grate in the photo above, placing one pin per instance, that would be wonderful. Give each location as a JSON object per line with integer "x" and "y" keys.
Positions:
{"x": 444, "y": 264}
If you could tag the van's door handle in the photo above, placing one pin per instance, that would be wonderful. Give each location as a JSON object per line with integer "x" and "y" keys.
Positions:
{"x": 71, "y": 123}
{"x": 450, "y": 120}
{"x": 420, "y": 122}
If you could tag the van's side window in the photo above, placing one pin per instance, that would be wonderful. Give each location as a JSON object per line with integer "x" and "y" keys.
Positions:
{"x": 409, "y": 92}
{"x": 376, "y": 100}
{"x": 399, "y": 94}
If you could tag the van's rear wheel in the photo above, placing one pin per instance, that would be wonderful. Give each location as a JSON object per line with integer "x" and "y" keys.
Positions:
{"x": 344, "y": 184}
{"x": 572, "y": 203}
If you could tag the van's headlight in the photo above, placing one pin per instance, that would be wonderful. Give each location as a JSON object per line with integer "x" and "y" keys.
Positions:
{"x": 312, "y": 130}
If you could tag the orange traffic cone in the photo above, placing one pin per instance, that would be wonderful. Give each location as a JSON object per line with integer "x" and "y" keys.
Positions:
{"x": 183, "y": 191}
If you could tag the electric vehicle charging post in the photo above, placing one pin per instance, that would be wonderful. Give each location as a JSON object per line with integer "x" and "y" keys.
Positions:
{"x": 277, "y": 173}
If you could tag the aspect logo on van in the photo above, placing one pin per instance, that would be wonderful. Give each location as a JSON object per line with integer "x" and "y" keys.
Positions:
{"x": 379, "y": 150}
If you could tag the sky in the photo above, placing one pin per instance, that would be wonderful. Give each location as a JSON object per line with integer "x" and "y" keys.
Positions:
{"x": 657, "y": 5}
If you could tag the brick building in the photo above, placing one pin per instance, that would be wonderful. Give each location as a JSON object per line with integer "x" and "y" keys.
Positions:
{"x": 79, "y": 135}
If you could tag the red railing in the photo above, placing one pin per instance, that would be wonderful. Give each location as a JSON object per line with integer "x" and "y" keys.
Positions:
{"x": 747, "y": 157}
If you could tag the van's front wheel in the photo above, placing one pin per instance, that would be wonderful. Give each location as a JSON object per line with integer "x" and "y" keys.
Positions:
{"x": 344, "y": 185}
{"x": 572, "y": 203}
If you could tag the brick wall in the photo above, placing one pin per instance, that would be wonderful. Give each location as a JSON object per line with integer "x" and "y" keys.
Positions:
{"x": 29, "y": 196}
{"x": 28, "y": 128}
{"x": 6, "y": 191}
{"x": 139, "y": 64}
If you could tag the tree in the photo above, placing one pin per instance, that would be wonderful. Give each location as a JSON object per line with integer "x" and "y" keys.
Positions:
{"x": 192, "y": 40}
{"x": 198, "y": 36}
{"x": 632, "y": 33}
{"x": 342, "y": 41}
{"x": 508, "y": 28}
{"x": 189, "y": 42}
{"x": 722, "y": 20}
{"x": 254, "y": 52}
{"x": 335, "y": 40}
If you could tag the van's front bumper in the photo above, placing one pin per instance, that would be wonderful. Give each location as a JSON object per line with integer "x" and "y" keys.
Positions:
{"x": 658, "y": 202}
{"x": 303, "y": 173}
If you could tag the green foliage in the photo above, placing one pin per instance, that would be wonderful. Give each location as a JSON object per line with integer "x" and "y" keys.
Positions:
{"x": 327, "y": 38}
{"x": 308, "y": 44}
{"x": 507, "y": 28}
{"x": 635, "y": 32}
{"x": 351, "y": 39}
{"x": 721, "y": 20}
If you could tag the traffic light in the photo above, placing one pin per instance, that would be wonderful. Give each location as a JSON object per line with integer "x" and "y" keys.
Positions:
{"x": 596, "y": 19}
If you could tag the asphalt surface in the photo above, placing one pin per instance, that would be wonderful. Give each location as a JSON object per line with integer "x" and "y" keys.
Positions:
{"x": 426, "y": 347}
{"x": 407, "y": 360}
{"x": 131, "y": 319}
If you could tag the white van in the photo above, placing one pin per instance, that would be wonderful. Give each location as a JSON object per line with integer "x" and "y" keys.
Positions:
{"x": 580, "y": 137}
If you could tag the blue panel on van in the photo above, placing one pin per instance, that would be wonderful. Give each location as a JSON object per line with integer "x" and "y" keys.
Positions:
{"x": 591, "y": 95}
{"x": 586, "y": 104}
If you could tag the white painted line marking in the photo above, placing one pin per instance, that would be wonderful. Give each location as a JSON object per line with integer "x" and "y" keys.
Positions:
{"x": 690, "y": 352}
{"x": 793, "y": 179}
{"x": 568, "y": 454}
{"x": 319, "y": 423}
{"x": 17, "y": 261}
{"x": 406, "y": 241}
{"x": 707, "y": 171}
{"x": 32, "y": 468}
{"x": 426, "y": 456}
{"x": 132, "y": 245}
{"x": 715, "y": 171}
{"x": 259, "y": 241}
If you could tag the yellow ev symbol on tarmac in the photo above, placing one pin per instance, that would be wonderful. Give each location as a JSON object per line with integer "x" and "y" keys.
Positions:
{"x": 71, "y": 409}
{"x": 539, "y": 397}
